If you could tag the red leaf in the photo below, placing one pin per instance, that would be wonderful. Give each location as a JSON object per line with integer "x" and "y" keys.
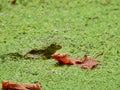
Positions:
{"x": 85, "y": 62}
{"x": 65, "y": 58}
{"x": 10, "y": 85}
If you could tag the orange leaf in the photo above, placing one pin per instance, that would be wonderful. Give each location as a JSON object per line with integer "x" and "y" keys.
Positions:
{"x": 10, "y": 85}
{"x": 65, "y": 58}
{"x": 85, "y": 62}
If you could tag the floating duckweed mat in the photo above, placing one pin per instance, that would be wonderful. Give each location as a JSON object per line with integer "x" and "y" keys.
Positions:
{"x": 80, "y": 26}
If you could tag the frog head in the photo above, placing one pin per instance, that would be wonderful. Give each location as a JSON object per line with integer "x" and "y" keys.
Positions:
{"x": 51, "y": 49}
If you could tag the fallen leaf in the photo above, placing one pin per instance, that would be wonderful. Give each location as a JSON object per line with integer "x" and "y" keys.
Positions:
{"x": 85, "y": 62}
{"x": 10, "y": 85}
{"x": 88, "y": 62}
{"x": 65, "y": 58}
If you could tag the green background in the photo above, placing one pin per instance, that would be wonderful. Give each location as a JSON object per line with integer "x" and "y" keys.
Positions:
{"x": 80, "y": 26}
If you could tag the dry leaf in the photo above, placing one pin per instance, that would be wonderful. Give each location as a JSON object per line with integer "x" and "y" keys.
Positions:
{"x": 64, "y": 58}
{"x": 85, "y": 62}
{"x": 10, "y": 85}
{"x": 88, "y": 62}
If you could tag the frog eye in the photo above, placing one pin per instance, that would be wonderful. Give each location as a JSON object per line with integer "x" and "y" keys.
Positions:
{"x": 52, "y": 45}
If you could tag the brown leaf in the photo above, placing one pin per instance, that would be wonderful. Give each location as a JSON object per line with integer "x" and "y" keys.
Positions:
{"x": 88, "y": 62}
{"x": 85, "y": 62}
{"x": 10, "y": 85}
{"x": 65, "y": 58}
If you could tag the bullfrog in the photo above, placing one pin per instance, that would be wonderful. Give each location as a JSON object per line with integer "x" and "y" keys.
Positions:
{"x": 46, "y": 52}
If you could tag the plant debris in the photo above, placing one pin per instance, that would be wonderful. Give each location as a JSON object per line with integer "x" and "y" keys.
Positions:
{"x": 11, "y": 85}
{"x": 85, "y": 62}
{"x": 88, "y": 62}
{"x": 64, "y": 58}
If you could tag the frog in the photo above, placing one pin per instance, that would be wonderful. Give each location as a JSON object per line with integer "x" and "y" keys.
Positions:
{"x": 46, "y": 52}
